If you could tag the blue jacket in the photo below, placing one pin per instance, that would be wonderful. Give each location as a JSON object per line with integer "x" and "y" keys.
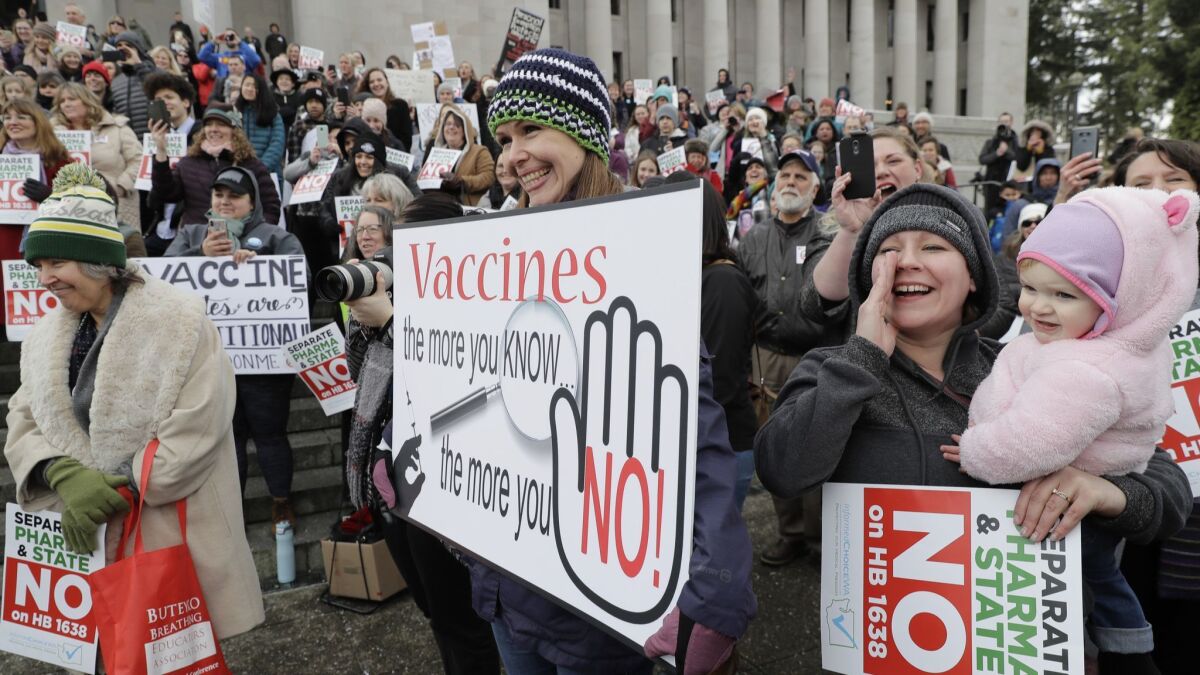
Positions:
{"x": 216, "y": 60}
{"x": 268, "y": 142}
{"x": 722, "y": 601}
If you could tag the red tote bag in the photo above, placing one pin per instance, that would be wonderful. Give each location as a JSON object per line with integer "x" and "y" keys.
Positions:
{"x": 149, "y": 607}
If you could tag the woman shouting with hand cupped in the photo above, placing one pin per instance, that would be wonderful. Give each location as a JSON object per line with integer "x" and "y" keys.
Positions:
{"x": 551, "y": 114}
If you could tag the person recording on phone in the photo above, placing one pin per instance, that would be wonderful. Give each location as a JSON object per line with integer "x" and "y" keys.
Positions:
{"x": 234, "y": 226}
{"x": 224, "y": 49}
{"x": 997, "y": 156}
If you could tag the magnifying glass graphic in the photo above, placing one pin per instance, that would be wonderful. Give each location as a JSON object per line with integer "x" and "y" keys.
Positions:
{"x": 537, "y": 355}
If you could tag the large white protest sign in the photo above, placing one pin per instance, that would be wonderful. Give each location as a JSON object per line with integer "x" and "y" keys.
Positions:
{"x": 258, "y": 306}
{"x": 642, "y": 90}
{"x": 507, "y": 328}
{"x": 25, "y": 301}
{"x": 15, "y": 207}
{"x": 1182, "y": 435}
{"x": 320, "y": 358}
{"x": 176, "y": 149}
{"x": 47, "y": 607}
{"x": 939, "y": 580}
{"x": 77, "y": 143}
{"x": 71, "y": 35}
{"x": 427, "y": 117}
{"x": 524, "y": 32}
{"x": 439, "y": 161}
{"x": 414, "y": 86}
{"x": 311, "y": 58}
{"x": 672, "y": 161}
{"x": 311, "y": 185}
{"x": 432, "y": 42}
{"x": 346, "y": 209}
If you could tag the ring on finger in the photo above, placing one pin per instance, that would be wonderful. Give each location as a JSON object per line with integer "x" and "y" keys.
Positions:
{"x": 1059, "y": 493}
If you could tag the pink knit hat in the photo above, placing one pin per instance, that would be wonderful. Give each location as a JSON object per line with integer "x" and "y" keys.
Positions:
{"x": 1083, "y": 244}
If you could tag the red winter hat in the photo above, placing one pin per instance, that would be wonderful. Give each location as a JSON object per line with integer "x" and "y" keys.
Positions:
{"x": 97, "y": 67}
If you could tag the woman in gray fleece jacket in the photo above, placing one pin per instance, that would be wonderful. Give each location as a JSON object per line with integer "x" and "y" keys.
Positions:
{"x": 877, "y": 409}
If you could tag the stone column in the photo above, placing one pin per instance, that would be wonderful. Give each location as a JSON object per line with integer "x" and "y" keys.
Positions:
{"x": 716, "y": 42}
{"x": 598, "y": 16}
{"x": 904, "y": 44}
{"x": 659, "y": 43}
{"x": 816, "y": 49}
{"x": 768, "y": 52}
{"x": 945, "y": 58}
{"x": 862, "y": 54}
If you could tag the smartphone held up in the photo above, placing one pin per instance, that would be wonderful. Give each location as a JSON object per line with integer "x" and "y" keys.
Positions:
{"x": 856, "y": 156}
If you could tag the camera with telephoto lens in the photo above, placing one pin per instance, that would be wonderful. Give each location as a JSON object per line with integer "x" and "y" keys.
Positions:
{"x": 351, "y": 281}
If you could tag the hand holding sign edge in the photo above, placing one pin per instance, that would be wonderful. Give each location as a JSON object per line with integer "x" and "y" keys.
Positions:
{"x": 579, "y": 419}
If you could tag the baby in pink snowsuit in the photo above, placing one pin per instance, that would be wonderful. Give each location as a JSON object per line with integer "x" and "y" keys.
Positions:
{"x": 1103, "y": 279}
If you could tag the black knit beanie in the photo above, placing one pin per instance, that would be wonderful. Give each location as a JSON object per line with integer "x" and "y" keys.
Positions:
{"x": 931, "y": 208}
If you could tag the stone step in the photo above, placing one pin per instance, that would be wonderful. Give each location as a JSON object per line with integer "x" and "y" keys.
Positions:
{"x": 313, "y": 491}
{"x": 310, "y": 530}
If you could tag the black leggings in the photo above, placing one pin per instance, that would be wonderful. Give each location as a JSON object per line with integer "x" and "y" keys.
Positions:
{"x": 261, "y": 413}
{"x": 441, "y": 587}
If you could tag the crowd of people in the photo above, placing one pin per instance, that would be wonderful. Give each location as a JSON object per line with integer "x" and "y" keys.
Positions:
{"x": 851, "y": 339}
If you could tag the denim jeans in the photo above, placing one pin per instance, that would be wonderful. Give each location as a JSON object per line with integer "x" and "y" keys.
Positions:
{"x": 261, "y": 413}
{"x": 522, "y": 662}
{"x": 1117, "y": 622}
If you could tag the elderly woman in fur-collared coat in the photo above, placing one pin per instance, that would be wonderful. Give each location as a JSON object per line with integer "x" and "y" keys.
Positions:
{"x": 103, "y": 375}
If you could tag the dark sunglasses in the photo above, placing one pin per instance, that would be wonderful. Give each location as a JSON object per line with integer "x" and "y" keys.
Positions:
{"x": 116, "y": 23}
{"x": 1030, "y": 223}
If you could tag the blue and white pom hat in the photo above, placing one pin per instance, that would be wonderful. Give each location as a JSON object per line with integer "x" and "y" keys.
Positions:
{"x": 557, "y": 89}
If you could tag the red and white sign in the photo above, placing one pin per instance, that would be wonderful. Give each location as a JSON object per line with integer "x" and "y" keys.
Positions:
{"x": 15, "y": 207}
{"x": 311, "y": 58}
{"x": 440, "y": 160}
{"x": 1182, "y": 435}
{"x": 347, "y": 210}
{"x": 672, "y": 161}
{"x": 77, "y": 143}
{"x": 311, "y": 186}
{"x": 939, "y": 580}
{"x": 320, "y": 357}
{"x": 46, "y": 611}
{"x": 25, "y": 301}
{"x": 176, "y": 149}
{"x": 847, "y": 109}
{"x": 70, "y": 34}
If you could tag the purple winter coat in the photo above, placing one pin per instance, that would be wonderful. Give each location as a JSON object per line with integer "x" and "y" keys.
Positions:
{"x": 189, "y": 183}
{"x": 723, "y": 602}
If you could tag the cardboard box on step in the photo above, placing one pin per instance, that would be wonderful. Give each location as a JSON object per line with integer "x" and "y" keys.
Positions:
{"x": 363, "y": 571}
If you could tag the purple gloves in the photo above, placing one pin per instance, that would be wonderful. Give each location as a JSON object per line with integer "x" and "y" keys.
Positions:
{"x": 705, "y": 650}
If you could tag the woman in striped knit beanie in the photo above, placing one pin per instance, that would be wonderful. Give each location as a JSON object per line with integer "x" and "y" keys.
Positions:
{"x": 551, "y": 114}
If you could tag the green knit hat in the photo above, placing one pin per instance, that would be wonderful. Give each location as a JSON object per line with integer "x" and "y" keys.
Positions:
{"x": 78, "y": 221}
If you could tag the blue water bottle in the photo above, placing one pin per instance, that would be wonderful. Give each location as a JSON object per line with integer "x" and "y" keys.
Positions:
{"x": 285, "y": 553}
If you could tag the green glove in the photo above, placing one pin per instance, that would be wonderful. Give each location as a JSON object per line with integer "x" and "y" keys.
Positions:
{"x": 90, "y": 497}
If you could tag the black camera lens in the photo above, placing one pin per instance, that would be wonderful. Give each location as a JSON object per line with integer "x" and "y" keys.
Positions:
{"x": 351, "y": 281}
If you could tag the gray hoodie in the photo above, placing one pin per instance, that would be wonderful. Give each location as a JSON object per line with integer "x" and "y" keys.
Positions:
{"x": 261, "y": 237}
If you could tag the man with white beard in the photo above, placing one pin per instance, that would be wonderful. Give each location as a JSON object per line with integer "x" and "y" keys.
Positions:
{"x": 773, "y": 254}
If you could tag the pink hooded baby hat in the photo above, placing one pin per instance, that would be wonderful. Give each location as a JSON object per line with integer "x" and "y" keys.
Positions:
{"x": 1125, "y": 248}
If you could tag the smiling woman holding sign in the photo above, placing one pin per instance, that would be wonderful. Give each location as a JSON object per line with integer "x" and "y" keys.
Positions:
{"x": 115, "y": 151}
{"x": 475, "y": 170}
{"x": 235, "y": 227}
{"x": 89, "y": 404}
{"x": 879, "y": 408}
{"x": 551, "y": 114}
